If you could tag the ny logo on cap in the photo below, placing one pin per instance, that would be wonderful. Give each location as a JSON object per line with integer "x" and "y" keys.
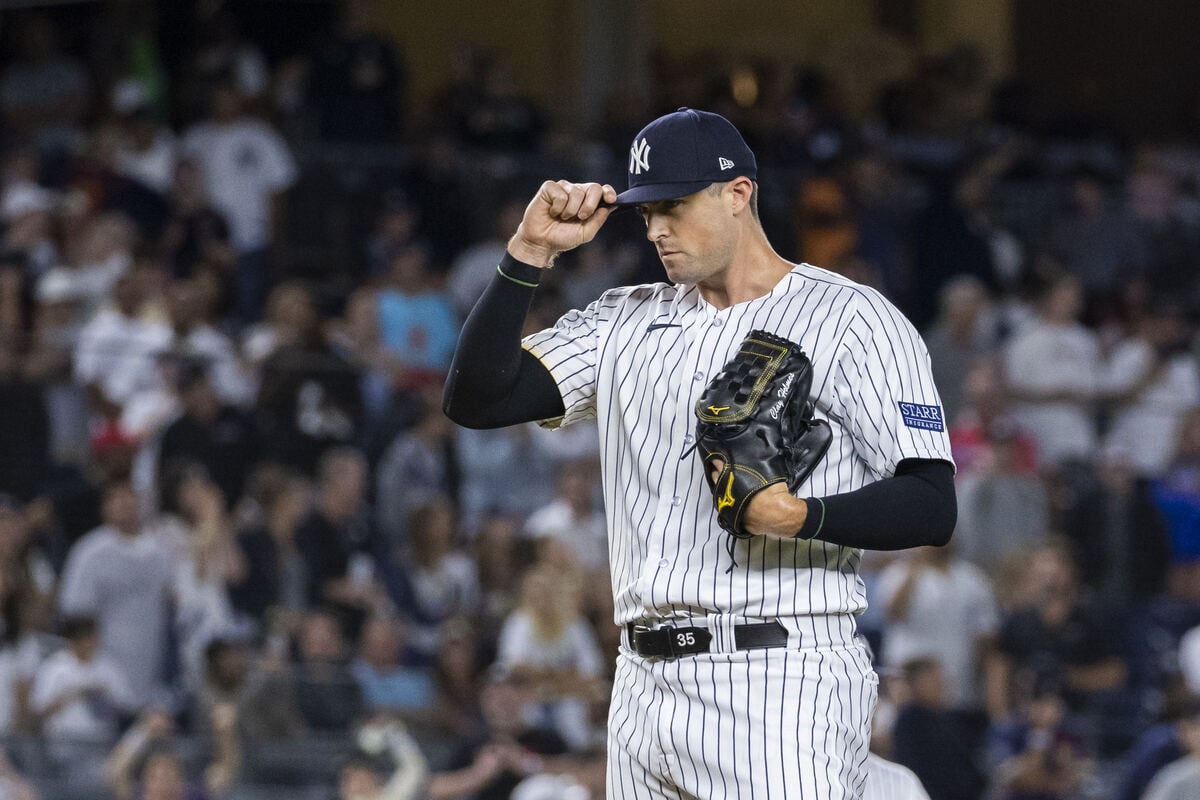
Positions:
{"x": 639, "y": 156}
{"x": 725, "y": 164}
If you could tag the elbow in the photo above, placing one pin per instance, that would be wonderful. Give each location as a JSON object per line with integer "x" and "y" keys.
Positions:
{"x": 453, "y": 409}
{"x": 943, "y": 523}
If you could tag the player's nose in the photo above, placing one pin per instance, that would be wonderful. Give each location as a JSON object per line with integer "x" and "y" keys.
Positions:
{"x": 656, "y": 227}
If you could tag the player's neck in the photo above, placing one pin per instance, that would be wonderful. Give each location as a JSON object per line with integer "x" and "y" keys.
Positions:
{"x": 753, "y": 272}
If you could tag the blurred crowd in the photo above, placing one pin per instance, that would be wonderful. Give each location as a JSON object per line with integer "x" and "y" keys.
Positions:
{"x": 243, "y": 553}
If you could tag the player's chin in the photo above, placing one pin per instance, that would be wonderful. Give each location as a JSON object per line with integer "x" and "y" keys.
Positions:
{"x": 677, "y": 268}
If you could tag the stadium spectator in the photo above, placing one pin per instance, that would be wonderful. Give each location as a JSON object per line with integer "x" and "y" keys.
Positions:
{"x": 570, "y": 531}
{"x": 929, "y": 741}
{"x": 490, "y": 484}
{"x": 940, "y": 606}
{"x": 117, "y": 349}
{"x": 501, "y": 752}
{"x": 358, "y": 337}
{"x": 422, "y": 459}
{"x": 457, "y": 667}
{"x": 217, "y": 435}
{"x": 435, "y": 581}
{"x": 1052, "y": 372}
{"x": 501, "y": 555}
{"x": 309, "y": 397}
{"x": 1177, "y": 495}
{"x": 247, "y": 169}
{"x": 196, "y": 528}
{"x": 1097, "y": 242}
{"x": 145, "y": 764}
{"x": 547, "y": 644}
{"x": 1003, "y": 509}
{"x": 195, "y": 236}
{"x": 334, "y": 541}
{"x": 1150, "y": 382}
{"x": 327, "y": 695}
{"x": 79, "y": 694}
{"x": 959, "y": 337}
{"x": 1162, "y": 215}
{"x": 1055, "y": 635}
{"x": 387, "y": 683}
{"x": 1121, "y": 537}
{"x": 986, "y": 403}
{"x": 146, "y": 150}
{"x": 125, "y": 579}
{"x": 1037, "y": 754}
{"x": 274, "y": 582}
{"x": 396, "y": 228}
{"x": 416, "y": 319}
{"x": 194, "y": 338}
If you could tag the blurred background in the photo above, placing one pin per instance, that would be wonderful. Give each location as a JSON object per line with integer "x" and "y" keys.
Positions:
{"x": 242, "y": 552}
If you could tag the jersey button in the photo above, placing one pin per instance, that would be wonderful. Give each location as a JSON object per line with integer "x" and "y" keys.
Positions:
{"x": 689, "y": 439}
{"x": 699, "y": 376}
{"x": 676, "y": 500}
{"x": 717, "y": 322}
{"x": 662, "y": 562}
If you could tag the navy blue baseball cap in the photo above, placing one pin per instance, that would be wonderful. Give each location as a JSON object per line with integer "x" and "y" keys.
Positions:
{"x": 683, "y": 152}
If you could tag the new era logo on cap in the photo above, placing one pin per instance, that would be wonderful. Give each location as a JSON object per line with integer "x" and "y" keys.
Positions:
{"x": 692, "y": 150}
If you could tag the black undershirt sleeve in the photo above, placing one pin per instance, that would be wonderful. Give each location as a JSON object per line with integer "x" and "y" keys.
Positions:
{"x": 493, "y": 381}
{"x": 916, "y": 507}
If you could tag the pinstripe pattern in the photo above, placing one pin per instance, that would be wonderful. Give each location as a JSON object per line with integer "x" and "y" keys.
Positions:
{"x": 666, "y": 551}
{"x": 888, "y": 781}
{"x": 796, "y": 729}
{"x": 753, "y": 724}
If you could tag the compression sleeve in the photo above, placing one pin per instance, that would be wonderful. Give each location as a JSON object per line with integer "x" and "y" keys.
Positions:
{"x": 917, "y": 507}
{"x": 493, "y": 381}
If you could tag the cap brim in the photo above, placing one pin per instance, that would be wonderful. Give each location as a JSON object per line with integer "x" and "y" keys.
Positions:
{"x": 655, "y": 192}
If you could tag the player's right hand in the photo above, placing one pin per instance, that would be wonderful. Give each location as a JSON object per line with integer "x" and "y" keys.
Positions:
{"x": 561, "y": 216}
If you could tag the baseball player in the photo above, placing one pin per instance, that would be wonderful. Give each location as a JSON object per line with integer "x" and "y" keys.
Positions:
{"x": 736, "y": 586}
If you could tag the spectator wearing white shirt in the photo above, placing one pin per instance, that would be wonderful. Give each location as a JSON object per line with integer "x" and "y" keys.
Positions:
{"x": 1052, "y": 371}
{"x": 1152, "y": 381}
{"x": 940, "y": 606}
{"x": 247, "y": 168}
{"x": 123, "y": 578}
{"x": 117, "y": 352}
{"x": 549, "y": 644}
{"x": 79, "y": 693}
{"x": 571, "y": 530}
{"x": 196, "y": 339}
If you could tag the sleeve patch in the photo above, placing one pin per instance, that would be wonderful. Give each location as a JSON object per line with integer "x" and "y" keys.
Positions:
{"x": 928, "y": 418}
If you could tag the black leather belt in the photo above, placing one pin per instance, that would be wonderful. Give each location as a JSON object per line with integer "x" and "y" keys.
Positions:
{"x": 669, "y": 642}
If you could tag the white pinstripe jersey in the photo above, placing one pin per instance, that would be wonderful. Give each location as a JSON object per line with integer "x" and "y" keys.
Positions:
{"x": 638, "y": 358}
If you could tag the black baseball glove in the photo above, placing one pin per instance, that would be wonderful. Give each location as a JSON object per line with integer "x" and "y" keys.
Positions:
{"x": 756, "y": 417}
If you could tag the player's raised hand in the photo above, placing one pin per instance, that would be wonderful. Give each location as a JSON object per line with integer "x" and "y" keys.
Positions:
{"x": 561, "y": 216}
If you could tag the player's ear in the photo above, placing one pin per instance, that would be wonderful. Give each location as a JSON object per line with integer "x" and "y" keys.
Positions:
{"x": 739, "y": 191}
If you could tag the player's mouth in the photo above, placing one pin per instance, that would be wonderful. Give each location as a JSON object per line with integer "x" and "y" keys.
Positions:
{"x": 665, "y": 253}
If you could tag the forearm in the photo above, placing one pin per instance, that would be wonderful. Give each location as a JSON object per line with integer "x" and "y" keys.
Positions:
{"x": 915, "y": 508}
{"x": 493, "y": 381}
